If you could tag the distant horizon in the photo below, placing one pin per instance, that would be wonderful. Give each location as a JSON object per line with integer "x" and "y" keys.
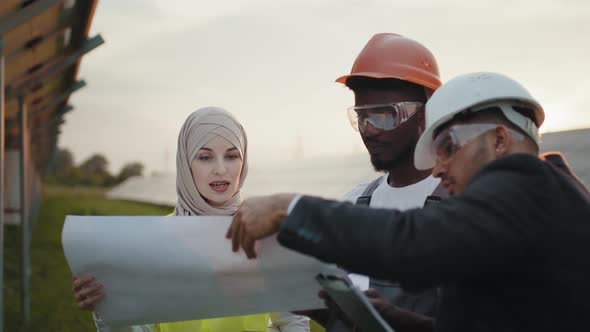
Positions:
{"x": 282, "y": 162}
{"x": 330, "y": 176}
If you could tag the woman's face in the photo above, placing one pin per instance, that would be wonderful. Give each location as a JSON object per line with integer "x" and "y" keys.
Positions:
{"x": 216, "y": 170}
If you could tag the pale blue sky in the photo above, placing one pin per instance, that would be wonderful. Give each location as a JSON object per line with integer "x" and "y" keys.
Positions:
{"x": 273, "y": 63}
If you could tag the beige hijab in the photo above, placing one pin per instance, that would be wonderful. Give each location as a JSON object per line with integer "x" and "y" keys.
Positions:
{"x": 200, "y": 127}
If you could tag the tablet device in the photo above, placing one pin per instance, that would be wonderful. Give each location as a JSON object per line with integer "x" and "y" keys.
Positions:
{"x": 353, "y": 303}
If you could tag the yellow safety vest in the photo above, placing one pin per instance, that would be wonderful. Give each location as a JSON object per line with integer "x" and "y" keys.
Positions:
{"x": 254, "y": 323}
{"x": 315, "y": 327}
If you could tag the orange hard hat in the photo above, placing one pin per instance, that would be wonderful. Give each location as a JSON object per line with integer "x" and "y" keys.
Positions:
{"x": 389, "y": 55}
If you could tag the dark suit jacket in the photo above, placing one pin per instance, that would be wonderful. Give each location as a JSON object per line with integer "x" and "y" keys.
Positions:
{"x": 512, "y": 253}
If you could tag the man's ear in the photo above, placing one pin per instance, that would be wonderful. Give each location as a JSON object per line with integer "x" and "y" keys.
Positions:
{"x": 503, "y": 141}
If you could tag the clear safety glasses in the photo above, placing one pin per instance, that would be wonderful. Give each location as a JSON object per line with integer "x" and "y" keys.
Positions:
{"x": 451, "y": 140}
{"x": 382, "y": 116}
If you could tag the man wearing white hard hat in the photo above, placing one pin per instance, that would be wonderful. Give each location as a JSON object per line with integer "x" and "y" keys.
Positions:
{"x": 509, "y": 250}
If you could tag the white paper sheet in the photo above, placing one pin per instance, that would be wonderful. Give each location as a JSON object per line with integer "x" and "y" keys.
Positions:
{"x": 361, "y": 281}
{"x": 163, "y": 269}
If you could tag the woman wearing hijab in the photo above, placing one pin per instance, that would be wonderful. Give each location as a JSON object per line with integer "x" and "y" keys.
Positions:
{"x": 212, "y": 164}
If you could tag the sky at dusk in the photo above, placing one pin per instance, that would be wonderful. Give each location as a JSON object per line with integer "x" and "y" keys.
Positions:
{"x": 273, "y": 64}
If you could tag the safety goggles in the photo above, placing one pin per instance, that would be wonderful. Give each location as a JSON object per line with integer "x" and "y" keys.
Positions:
{"x": 451, "y": 140}
{"x": 382, "y": 117}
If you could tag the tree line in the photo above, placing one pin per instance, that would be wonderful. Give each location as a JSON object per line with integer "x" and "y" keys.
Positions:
{"x": 91, "y": 172}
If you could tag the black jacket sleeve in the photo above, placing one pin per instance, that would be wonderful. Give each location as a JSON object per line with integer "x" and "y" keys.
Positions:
{"x": 497, "y": 221}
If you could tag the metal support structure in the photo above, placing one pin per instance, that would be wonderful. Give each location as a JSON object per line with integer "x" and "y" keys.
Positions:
{"x": 52, "y": 125}
{"x": 61, "y": 97}
{"x": 24, "y": 84}
{"x": 66, "y": 109}
{"x": 45, "y": 133}
{"x": 2, "y": 198}
{"x": 64, "y": 23}
{"x": 24, "y": 211}
{"x": 73, "y": 26}
{"x": 8, "y": 23}
{"x": 12, "y": 123}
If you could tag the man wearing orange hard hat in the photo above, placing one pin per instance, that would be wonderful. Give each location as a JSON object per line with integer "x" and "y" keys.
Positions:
{"x": 391, "y": 79}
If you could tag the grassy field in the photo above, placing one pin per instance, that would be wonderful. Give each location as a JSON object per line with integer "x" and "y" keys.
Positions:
{"x": 52, "y": 305}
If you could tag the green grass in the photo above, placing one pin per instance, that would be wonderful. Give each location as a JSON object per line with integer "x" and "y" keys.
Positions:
{"x": 52, "y": 304}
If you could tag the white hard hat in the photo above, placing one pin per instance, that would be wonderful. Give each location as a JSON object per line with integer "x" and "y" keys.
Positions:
{"x": 475, "y": 92}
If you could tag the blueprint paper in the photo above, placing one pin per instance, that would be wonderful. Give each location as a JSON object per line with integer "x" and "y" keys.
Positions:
{"x": 164, "y": 269}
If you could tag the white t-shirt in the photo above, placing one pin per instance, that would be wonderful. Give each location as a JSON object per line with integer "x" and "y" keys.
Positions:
{"x": 403, "y": 198}
{"x": 386, "y": 196}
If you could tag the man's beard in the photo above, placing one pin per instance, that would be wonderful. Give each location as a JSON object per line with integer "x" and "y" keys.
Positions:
{"x": 387, "y": 165}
